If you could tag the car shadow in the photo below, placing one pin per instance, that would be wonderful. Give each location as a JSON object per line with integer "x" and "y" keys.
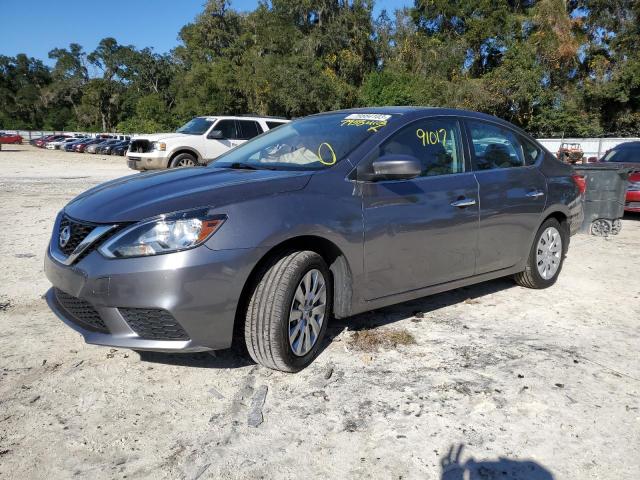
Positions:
{"x": 453, "y": 468}
{"x": 384, "y": 316}
{"x": 632, "y": 216}
{"x": 234, "y": 357}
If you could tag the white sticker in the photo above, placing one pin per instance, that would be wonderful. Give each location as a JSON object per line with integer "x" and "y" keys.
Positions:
{"x": 368, "y": 116}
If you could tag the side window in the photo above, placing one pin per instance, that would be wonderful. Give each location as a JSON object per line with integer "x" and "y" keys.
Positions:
{"x": 530, "y": 150}
{"x": 248, "y": 129}
{"x": 273, "y": 125}
{"x": 494, "y": 146}
{"x": 435, "y": 142}
{"x": 228, "y": 129}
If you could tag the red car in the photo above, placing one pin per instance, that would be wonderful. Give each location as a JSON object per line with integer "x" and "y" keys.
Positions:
{"x": 10, "y": 138}
{"x": 628, "y": 152}
{"x": 41, "y": 142}
{"x": 80, "y": 147}
{"x": 632, "y": 202}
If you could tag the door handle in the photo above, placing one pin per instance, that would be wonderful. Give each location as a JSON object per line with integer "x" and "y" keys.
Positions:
{"x": 535, "y": 194}
{"x": 463, "y": 202}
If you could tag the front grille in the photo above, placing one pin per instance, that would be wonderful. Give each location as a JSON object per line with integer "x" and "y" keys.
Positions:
{"x": 79, "y": 232}
{"x": 140, "y": 146}
{"x": 153, "y": 324}
{"x": 81, "y": 312}
{"x": 632, "y": 205}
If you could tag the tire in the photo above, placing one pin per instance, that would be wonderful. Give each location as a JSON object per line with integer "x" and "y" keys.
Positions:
{"x": 532, "y": 277}
{"x": 272, "y": 306}
{"x": 183, "y": 160}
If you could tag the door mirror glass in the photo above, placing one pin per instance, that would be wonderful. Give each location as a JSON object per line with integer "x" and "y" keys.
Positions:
{"x": 215, "y": 135}
{"x": 395, "y": 167}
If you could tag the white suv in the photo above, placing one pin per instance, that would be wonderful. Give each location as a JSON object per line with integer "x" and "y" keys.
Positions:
{"x": 198, "y": 141}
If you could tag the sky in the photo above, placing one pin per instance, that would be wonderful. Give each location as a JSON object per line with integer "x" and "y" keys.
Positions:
{"x": 38, "y": 26}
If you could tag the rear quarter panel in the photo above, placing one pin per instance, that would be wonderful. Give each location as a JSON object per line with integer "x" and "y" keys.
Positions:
{"x": 562, "y": 193}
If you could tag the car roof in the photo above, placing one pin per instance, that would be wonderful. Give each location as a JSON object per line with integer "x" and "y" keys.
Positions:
{"x": 244, "y": 117}
{"x": 625, "y": 145}
{"x": 417, "y": 111}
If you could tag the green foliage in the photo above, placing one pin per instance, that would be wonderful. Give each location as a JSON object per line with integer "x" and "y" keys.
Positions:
{"x": 553, "y": 67}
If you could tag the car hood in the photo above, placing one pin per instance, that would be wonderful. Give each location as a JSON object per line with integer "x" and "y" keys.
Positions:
{"x": 145, "y": 195}
{"x": 156, "y": 137}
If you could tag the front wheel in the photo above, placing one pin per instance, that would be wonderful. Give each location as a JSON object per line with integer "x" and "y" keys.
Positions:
{"x": 288, "y": 312}
{"x": 183, "y": 160}
{"x": 546, "y": 257}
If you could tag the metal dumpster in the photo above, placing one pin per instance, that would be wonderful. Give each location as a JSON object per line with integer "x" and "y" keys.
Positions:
{"x": 604, "y": 197}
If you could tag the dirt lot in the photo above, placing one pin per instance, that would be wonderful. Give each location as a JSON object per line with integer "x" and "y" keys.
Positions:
{"x": 533, "y": 384}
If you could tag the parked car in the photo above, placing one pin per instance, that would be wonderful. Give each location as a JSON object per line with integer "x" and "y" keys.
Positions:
{"x": 121, "y": 148}
{"x": 58, "y": 144}
{"x": 93, "y": 148}
{"x": 329, "y": 215}
{"x": 104, "y": 148}
{"x": 80, "y": 147}
{"x": 632, "y": 201}
{"x": 70, "y": 146}
{"x": 628, "y": 152}
{"x": 10, "y": 138}
{"x": 37, "y": 142}
{"x": 198, "y": 141}
{"x": 7, "y": 138}
{"x": 41, "y": 143}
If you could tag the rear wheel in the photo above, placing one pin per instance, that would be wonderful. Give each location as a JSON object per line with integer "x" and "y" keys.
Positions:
{"x": 546, "y": 256}
{"x": 183, "y": 160}
{"x": 288, "y": 312}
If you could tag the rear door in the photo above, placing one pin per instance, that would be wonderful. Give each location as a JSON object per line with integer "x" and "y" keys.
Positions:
{"x": 512, "y": 193}
{"x": 247, "y": 129}
{"x": 423, "y": 231}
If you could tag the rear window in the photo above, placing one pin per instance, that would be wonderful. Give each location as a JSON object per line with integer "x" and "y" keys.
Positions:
{"x": 273, "y": 125}
{"x": 623, "y": 155}
{"x": 248, "y": 129}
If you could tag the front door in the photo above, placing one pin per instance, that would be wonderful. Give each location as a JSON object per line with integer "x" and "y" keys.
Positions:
{"x": 421, "y": 232}
{"x": 214, "y": 147}
{"x": 512, "y": 194}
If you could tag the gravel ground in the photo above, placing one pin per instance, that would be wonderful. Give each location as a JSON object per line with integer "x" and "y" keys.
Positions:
{"x": 493, "y": 380}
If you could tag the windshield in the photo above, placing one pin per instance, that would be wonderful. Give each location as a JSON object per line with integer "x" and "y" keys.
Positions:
{"x": 311, "y": 143}
{"x": 195, "y": 126}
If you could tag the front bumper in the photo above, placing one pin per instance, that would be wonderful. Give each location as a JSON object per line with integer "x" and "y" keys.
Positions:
{"x": 199, "y": 289}
{"x": 155, "y": 160}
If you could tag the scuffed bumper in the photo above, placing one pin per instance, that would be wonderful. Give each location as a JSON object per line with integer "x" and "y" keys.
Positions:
{"x": 199, "y": 289}
{"x": 147, "y": 161}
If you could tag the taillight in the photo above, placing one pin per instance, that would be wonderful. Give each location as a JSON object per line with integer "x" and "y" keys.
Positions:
{"x": 580, "y": 182}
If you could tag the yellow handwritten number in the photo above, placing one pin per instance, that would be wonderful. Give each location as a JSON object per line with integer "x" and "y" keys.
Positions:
{"x": 432, "y": 137}
{"x": 333, "y": 154}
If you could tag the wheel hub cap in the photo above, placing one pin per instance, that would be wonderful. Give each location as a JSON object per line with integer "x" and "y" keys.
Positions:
{"x": 307, "y": 314}
{"x": 549, "y": 253}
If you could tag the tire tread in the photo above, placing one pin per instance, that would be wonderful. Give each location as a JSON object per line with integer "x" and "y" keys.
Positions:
{"x": 266, "y": 307}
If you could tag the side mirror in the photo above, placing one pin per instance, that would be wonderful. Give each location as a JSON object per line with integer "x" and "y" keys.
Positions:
{"x": 215, "y": 135}
{"x": 395, "y": 167}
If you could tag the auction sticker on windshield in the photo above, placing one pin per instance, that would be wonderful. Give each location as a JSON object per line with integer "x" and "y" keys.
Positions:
{"x": 372, "y": 120}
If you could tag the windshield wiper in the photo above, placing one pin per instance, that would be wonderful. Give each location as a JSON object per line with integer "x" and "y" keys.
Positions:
{"x": 241, "y": 166}
{"x": 247, "y": 166}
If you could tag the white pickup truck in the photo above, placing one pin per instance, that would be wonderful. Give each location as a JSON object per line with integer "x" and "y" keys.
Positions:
{"x": 200, "y": 140}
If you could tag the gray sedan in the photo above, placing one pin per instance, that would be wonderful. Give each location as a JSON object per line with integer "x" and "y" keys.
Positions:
{"x": 327, "y": 216}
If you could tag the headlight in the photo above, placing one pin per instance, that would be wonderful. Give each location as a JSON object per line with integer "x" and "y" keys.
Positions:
{"x": 159, "y": 146}
{"x": 163, "y": 234}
